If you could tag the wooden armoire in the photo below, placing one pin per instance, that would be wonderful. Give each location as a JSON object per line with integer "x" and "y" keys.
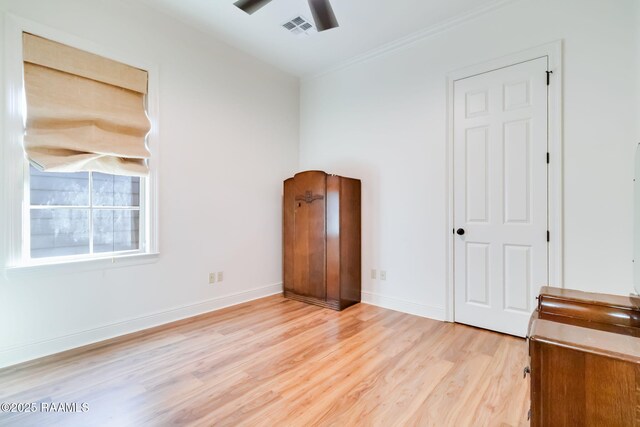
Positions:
{"x": 321, "y": 239}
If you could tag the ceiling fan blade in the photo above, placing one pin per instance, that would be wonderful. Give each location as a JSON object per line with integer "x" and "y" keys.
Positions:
{"x": 251, "y": 6}
{"x": 323, "y": 15}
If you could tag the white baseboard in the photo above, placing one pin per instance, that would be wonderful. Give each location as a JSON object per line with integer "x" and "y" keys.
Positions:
{"x": 404, "y": 306}
{"x": 30, "y": 351}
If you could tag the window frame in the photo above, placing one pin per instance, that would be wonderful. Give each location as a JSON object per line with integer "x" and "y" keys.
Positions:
{"x": 15, "y": 250}
{"x": 28, "y": 207}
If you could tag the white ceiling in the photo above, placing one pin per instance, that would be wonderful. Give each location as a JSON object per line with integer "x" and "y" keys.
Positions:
{"x": 364, "y": 26}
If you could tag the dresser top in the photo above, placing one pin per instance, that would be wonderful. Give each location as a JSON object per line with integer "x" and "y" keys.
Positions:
{"x": 593, "y": 341}
{"x": 629, "y": 302}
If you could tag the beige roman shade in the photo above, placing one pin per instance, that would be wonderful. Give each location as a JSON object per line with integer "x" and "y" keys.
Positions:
{"x": 84, "y": 112}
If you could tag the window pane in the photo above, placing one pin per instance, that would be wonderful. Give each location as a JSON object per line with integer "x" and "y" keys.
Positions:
{"x": 56, "y": 188}
{"x": 115, "y": 230}
{"x": 115, "y": 190}
{"x": 59, "y": 232}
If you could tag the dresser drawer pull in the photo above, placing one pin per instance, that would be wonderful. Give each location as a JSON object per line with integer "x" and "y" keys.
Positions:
{"x": 527, "y": 370}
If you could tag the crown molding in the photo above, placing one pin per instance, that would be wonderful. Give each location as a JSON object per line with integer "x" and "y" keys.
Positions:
{"x": 417, "y": 36}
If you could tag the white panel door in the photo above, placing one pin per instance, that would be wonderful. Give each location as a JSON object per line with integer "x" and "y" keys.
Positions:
{"x": 500, "y": 196}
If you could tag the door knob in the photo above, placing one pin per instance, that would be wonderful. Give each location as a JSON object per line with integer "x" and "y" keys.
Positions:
{"x": 460, "y": 231}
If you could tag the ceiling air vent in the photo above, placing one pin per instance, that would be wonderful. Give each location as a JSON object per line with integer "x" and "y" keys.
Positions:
{"x": 298, "y": 26}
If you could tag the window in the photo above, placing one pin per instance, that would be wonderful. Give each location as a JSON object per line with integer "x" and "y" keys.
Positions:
{"x": 78, "y": 168}
{"x": 83, "y": 213}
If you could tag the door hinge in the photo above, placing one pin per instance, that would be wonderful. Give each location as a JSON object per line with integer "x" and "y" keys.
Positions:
{"x": 548, "y": 158}
{"x": 549, "y": 77}
{"x": 548, "y": 236}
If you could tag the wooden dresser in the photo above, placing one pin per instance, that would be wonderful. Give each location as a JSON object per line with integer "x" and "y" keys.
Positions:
{"x": 321, "y": 239}
{"x": 584, "y": 353}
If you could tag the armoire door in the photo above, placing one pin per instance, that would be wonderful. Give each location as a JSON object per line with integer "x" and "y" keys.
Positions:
{"x": 309, "y": 241}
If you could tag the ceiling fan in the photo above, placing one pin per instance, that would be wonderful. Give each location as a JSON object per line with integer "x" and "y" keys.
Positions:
{"x": 320, "y": 9}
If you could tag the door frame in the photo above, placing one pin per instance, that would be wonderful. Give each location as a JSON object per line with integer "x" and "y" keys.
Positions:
{"x": 553, "y": 52}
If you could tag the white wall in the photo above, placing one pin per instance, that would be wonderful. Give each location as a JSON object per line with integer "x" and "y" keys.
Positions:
{"x": 637, "y": 39}
{"x": 384, "y": 120}
{"x": 228, "y": 137}
{"x": 636, "y": 273}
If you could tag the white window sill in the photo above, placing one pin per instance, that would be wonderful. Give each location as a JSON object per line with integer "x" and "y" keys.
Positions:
{"x": 77, "y": 265}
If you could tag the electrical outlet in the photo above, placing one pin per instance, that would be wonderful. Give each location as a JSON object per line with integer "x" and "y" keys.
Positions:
{"x": 374, "y": 274}
{"x": 383, "y": 275}
{"x": 212, "y": 278}
{"x": 220, "y": 276}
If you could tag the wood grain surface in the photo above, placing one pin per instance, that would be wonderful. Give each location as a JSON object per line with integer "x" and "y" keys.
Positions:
{"x": 585, "y": 359}
{"x": 309, "y": 251}
{"x": 321, "y": 239}
{"x": 278, "y": 362}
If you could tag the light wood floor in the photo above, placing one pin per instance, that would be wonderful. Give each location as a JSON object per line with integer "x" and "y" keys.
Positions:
{"x": 276, "y": 362}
